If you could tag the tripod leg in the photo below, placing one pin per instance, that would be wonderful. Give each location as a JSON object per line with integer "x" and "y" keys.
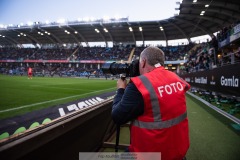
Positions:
{"x": 117, "y": 137}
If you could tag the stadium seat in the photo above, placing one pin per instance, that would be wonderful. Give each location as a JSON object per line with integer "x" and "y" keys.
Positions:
{"x": 234, "y": 109}
{"x": 35, "y": 124}
{"x": 4, "y": 135}
{"x": 20, "y": 130}
{"x": 47, "y": 120}
{"x": 224, "y": 101}
{"x": 219, "y": 105}
{"x": 236, "y": 126}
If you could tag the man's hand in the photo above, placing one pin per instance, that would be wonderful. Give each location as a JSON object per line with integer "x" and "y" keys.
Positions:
{"x": 121, "y": 83}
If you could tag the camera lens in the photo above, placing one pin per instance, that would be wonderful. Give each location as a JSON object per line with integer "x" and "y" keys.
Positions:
{"x": 106, "y": 68}
{"x": 115, "y": 68}
{"x": 119, "y": 68}
{"x": 134, "y": 68}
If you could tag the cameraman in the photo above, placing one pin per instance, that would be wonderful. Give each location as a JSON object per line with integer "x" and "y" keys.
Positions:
{"x": 155, "y": 103}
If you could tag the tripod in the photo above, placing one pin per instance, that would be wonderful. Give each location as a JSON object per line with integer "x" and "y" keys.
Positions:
{"x": 117, "y": 138}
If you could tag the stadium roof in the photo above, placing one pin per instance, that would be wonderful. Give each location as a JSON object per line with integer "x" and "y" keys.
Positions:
{"x": 195, "y": 18}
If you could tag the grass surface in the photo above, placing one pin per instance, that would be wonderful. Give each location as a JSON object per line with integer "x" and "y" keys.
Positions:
{"x": 210, "y": 138}
{"x": 25, "y": 94}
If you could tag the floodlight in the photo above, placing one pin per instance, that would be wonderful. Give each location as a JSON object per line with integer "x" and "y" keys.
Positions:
{"x": 202, "y": 13}
{"x": 97, "y": 30}
{"x": 105, "y": 29}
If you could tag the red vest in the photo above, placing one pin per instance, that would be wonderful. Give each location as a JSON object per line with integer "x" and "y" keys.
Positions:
{"x": 163, "y": 127}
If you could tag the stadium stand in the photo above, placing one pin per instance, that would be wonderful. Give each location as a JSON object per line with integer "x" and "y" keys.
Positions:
{"x": 73, "y": 66}
{"x": 87, "y": 53}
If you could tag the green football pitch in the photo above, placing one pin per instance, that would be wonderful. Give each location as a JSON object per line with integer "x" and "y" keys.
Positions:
{"x": 19, "y": 95}
{"x": 211, "y": 135}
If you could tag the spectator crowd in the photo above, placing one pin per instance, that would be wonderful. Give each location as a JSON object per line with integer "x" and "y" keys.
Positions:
{"x": 198, "y": 57}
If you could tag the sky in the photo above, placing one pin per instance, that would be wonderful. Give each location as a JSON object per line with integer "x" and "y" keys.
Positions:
{"x": 28, "y": 11}
{"x": 24, "y": 11}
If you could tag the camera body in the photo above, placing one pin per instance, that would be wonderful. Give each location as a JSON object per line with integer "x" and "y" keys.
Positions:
{"x": 129, "y": 70}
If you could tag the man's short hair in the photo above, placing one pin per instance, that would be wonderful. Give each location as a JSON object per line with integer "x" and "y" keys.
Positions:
{"x": 153, "y": 55}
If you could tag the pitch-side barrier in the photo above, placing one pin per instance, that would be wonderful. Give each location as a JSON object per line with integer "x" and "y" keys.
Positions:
{"x": 82, "y": 131}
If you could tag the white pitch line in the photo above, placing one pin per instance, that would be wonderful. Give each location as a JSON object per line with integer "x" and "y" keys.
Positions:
{"x": 64, "y": 88}
{"x": 35, "y": 104}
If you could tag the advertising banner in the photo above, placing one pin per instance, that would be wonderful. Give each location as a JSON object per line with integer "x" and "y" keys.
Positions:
{"x": 54, "y": 61}
{"x": 236, "y": 29}
{"x": 223, "y": 80}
